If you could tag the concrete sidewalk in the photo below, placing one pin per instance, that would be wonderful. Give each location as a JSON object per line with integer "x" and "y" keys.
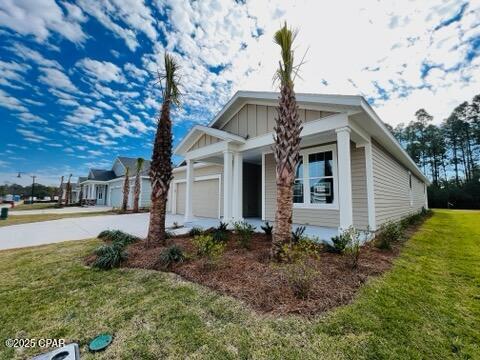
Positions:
{"x": 47, "y": 232}
{"x": 65, "y": 210}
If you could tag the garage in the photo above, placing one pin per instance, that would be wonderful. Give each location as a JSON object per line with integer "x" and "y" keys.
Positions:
{"x": 116, "y": 197}
{"x": 205, "y": 197}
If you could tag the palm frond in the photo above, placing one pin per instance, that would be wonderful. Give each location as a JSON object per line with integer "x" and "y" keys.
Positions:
{"x": 140, "y": 162}
{"x": 170, "y": 80}
{"x": 284, "y": 37}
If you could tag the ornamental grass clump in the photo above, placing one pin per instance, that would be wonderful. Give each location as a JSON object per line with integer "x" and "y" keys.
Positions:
{"x": 267, "y": 228}
{"x": 245, "y": 232}
{"x": 174, "y": 254}
{"x": 109, "y": 256}
{"x": 352, "y": 249}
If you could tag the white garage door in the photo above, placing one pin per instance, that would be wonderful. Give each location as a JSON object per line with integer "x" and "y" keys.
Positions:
{"x": 205, "y": 198}
{"x": 116, "y": 197}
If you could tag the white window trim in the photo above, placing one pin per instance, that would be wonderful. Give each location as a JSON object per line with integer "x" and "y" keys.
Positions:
{"x": 306, "y": 187}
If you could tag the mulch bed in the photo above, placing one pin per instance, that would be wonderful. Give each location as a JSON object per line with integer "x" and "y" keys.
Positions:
{"x": 249, "y": 275}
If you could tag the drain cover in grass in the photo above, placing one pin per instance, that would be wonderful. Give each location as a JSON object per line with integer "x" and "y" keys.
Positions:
{"x": 100, "y": 342}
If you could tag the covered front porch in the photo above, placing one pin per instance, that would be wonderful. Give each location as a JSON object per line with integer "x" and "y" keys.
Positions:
{"x": 323, "y": 199}
{"x": 94, "y": 192}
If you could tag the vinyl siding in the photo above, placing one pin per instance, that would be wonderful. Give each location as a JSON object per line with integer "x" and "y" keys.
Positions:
{"x": 392, "y": 189}
{"x": 323, "y": 217}
{"x": 255, "y": 120}
{"x": 204, "y": 140}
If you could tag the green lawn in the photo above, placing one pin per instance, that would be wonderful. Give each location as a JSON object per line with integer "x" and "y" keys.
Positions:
{"x": 23, "y": 219}
{"x": 426, "y": 307}
{"x": 35, "y": 206}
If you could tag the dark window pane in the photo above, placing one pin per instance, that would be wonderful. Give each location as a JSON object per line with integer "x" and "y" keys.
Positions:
{"x": 321, "y": 191}
{"x": 298, "y": 192}
{"x": 328, "y": 163}
{"x": 316, "y": 165}
{"x": 299, "y": 172}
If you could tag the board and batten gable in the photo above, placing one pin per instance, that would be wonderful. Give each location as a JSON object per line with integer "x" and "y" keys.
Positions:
{"x": 393, "y": 197}
{"x": 323, "y": 217}
{"x": 254, "y": 120}
{"x": 204, "y": 140}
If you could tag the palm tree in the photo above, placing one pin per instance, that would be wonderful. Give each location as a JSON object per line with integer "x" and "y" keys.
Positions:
{"x": 287, "y": 140}
{"x": 161, "y": 166}
{"x": 126, "y": 190}
{"x": 136, "y": 191}
{"x": 60, "y": 192}
{"x": 68, "y": 191}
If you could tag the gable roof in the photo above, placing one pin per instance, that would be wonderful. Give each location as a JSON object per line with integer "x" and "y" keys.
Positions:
{"x": 101, "y": 175}
{"x": 198, "y": 130}
{"x": 131, "y": 163}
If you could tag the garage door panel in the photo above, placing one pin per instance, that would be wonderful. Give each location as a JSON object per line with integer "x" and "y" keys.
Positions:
{"x": 116, "y": 197}
{"x": 205, "y": 198}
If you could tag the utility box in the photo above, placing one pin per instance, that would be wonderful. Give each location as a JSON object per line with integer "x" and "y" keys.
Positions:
{"x": 4, "y": 213}
{"x": 68, "y": 352}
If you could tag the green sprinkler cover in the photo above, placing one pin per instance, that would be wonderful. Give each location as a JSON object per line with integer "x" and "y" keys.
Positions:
{"x": 100, "y": 342}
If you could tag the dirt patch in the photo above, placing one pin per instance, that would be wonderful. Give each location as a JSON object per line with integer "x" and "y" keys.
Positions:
{"x": 249, "y": 275}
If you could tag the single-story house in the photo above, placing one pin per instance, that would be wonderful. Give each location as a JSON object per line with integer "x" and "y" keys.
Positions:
{"x": 352, "y": 170}
{"x": 105, "y": 187}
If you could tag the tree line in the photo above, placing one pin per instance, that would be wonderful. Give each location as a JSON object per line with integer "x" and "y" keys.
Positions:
{"x": 40, "y": 191}
{"x": 448, "y": 153}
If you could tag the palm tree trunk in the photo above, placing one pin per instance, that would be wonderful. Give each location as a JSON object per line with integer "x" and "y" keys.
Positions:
{"x": 283, "y": 219}
{"x": 136, "y": 193}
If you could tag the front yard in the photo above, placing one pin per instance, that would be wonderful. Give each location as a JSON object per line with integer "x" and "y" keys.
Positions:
{"x": 426, "y": 306}
{"x": 25, "y": 219}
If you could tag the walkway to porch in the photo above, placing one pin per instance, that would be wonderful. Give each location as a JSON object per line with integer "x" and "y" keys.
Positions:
{"x": 324, "y": 234}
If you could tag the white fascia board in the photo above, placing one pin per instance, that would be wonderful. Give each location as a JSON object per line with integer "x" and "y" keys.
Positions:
{"x": 328, "y": 123}
{"x": 195, "y": 166}
{"x": 400, "y": 153}
{"x": 207, "y": 151}
{"x": 194, "y": 134}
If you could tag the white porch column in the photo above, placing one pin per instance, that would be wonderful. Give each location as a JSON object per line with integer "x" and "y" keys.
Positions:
{"x": 372, "y": 224}
{"x": 344, "y": 177}
{"x": 227, "y": 185}
{"x": 237, "y": 203}
{"x": 188, "y": 192}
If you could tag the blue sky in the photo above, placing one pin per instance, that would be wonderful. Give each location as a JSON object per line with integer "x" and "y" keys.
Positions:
{"x": 78, "y": 87}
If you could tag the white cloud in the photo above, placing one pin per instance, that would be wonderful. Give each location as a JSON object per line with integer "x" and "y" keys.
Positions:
{"x": 115, "y": 14}
{"x": 134, "y": 71}
{"x": 30, "y": 118}
{"x": 57, "y": 79}
{"x": 83, "y": 115}
{"x": 34, "y": 56}
{"x": 39, "y": 18}
{"x": 10, "y": 102}
{"x": 101, "y": 70}
{"x": 32, "y": 136}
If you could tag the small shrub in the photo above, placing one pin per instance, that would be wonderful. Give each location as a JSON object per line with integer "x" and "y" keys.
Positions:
{"x": 301, "y": 276}
{"x": 109, "y": 256}
{"x": 298, "y": 234}
{"x": 176, "y": 225}
{"x": 352, "y": 249}
{"x": 117, "y": 236}
{"x": 172, "y": 255}
{"x": 339, "y": 243}
{"x": 208, "y": 248}
{"x": 305, "y": 248}
{"x": 219, "y": 235}
{"x": 267, "y": 228}
{"x": 389, "y": 233}
{"x": 222, "y": 226}
{"x": 245, "y": 232}
{"x": 195, "y": 231}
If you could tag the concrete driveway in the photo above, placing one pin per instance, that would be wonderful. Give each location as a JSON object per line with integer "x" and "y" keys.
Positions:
{"x": 47, "y": 232}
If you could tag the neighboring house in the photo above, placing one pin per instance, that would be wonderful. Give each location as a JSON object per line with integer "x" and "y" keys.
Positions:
{"x": 352, "y": 171}
{"x": 105, "y": 187}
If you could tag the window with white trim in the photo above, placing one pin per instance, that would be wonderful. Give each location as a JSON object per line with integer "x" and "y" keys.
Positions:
{"x": 315, "y": 181}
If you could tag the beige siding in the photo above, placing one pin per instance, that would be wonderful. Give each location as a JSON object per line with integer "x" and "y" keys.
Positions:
{"x": 204, "y": 140}
{"x": 392, "y": 189}
{"x": 359, "y": 188}
{"x": 255, "y": 120}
